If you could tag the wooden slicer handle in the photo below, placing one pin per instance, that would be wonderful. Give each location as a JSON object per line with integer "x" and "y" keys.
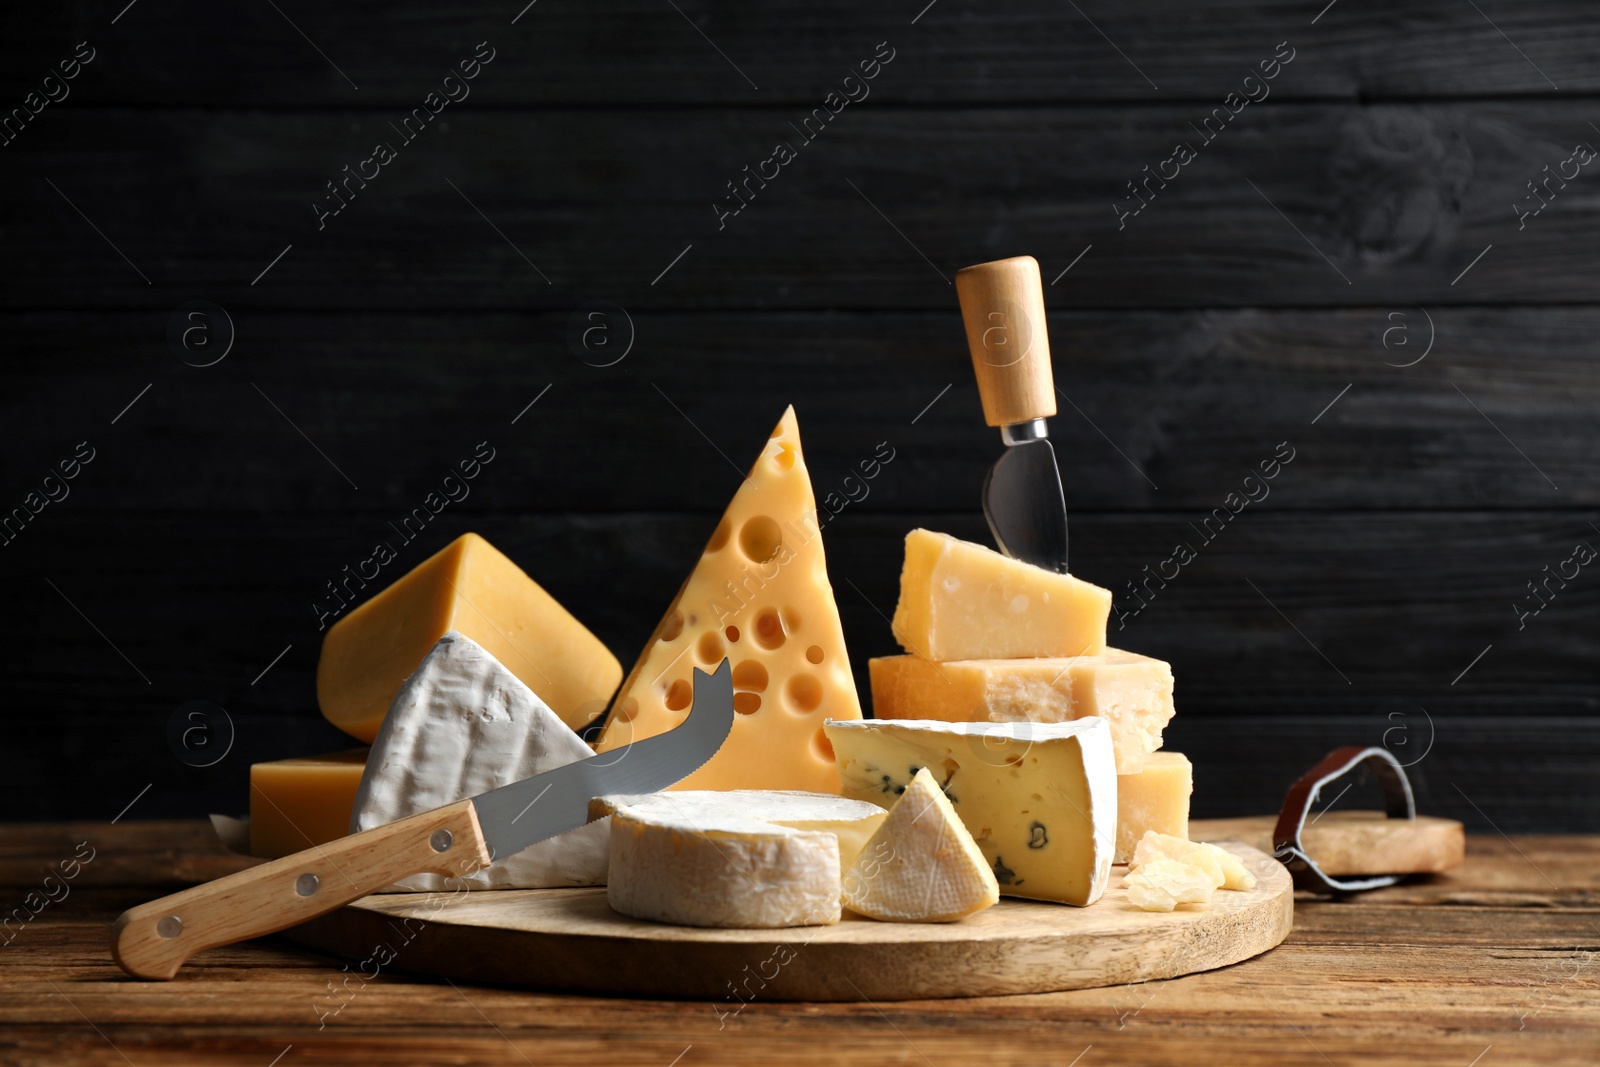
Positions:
{"x": 154, "y": 940}
{"x": 1002, "y": 304}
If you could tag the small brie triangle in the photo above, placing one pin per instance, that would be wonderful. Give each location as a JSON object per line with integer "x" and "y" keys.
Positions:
{"x": 922, "y": 864}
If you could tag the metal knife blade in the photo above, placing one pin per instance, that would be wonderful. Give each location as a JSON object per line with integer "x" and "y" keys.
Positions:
{"x": 1023, "y": 501}
{"x": 517, "y": 815}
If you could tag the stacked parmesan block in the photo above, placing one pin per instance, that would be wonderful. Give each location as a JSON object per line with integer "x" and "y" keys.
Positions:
{"x": 1047, "y": 740}
{"x": 1003, "y": 741}
{"x": 993, "y": 640}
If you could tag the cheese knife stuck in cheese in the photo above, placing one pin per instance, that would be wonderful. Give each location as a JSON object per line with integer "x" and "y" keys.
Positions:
{"x": 1002, "y": 304}
{"x": 154, "y": 940}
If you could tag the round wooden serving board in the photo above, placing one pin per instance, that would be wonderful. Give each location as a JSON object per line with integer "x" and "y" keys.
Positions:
{"x": 570, "y": 940}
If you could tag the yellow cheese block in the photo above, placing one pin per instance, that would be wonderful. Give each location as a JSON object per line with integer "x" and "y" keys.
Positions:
{"x": 471, "y": 587}
{"x": 760, "y": 596}
{"x": 963, "y": 601}
{"x": 1133, "y": 693}
{"x": 1156, "y": 798}
{"x": 305, "y": 801}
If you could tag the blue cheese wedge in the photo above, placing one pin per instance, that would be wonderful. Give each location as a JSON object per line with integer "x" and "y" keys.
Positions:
{"x": 1040, "y": 799}
{"x": 463, "y": 724}
{"x": 735, "y": 858}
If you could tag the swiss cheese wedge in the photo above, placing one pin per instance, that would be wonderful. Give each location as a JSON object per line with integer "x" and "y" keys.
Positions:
{"x": 759, "y": 596}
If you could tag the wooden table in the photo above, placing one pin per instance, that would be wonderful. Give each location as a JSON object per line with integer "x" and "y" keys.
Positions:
{"x": 1492, "y": 964}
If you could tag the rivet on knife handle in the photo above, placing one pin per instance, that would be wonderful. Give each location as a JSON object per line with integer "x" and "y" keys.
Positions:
{"x": 154, "y": 940}
{"x": 1002, "y": 304}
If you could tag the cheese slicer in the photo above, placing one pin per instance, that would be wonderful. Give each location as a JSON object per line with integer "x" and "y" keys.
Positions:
{"x": 1002, "y": 304}
{"x": 154, "y": 940}
{"x": 1341, "y": 852}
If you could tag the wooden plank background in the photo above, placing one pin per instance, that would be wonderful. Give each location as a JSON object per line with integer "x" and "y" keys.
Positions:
{"x": 1345, "y": 268}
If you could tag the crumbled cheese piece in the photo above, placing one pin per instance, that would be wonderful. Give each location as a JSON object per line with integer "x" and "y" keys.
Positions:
{"x": 1226, "y": 869}
{"x": 1163, "y": 884}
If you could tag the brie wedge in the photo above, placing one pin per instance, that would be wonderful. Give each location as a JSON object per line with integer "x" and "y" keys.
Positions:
{"x": 738, "y": 858}
{"x": 463, "y": 724}
{"x": 922, "y": 865}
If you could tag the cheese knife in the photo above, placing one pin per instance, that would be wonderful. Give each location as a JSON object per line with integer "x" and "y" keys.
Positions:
{"x": 1002, "y": 304}
{"x": 154, "y": 940}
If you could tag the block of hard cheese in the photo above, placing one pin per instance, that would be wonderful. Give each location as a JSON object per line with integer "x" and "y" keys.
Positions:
{"x": 461, "y": 725}
{"x": 1133, "y": 693}
{"x": 1154, "y": 798}
{"x": 470, "y": 587}
{"x": 962, "y": 601}
{"x": 760, "y": 596}
{"x": 741, "y": 858}
{"x": 304, "y": 801}
{"x": 1040, "y": 799}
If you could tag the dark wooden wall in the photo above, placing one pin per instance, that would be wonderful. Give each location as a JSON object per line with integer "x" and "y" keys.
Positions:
{"x": 1284, "y": 287}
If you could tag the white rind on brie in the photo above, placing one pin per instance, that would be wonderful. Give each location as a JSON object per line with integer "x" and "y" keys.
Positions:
{"x": 922, "y": 864}
{"x": 736, "y": 858}
{"x": 463, "y": 724}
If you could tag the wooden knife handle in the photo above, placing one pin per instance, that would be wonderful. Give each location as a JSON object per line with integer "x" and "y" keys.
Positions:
{"x": 153, "y": 940}
{"x": 1003, "y": 306}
